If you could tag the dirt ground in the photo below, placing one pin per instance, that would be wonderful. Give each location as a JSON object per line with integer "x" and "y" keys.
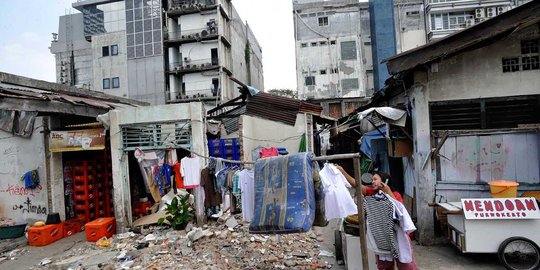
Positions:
{"x": 433, "y": 257}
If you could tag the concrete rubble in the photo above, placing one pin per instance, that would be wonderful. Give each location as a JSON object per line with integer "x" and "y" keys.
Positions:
{"x": 226, "y": 244}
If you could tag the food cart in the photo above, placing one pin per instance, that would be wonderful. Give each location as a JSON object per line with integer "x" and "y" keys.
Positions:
{"x": 509, "y": 227}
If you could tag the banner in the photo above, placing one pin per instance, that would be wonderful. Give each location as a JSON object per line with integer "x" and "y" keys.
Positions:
{"x": 77, "y": 140}
{"x": 503, "y": 208}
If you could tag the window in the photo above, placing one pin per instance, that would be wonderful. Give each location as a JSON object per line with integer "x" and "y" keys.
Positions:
{"x": 530, "y": 62}
{"x": 510, "y": 64}
{"x": 105, "y": 51}
{"x": 303, "y": 45}
{"x": 529, "y": 46}
{"x": 115, "y": 82}
{"x": 348, "y": 50}
{"x": 106, "y": 83}
{"x": 334, "y": 70}
{"x": 310, "y": 80}
{"x": 322, "y": 43}
{"x": 322, "y": 71}
{"x": 313, "y": 44}
{"x": 367, "y": 43}
{"x": 114, "y": 49}
{"x": 349, "y": 84}
{"x": 332, "y": 42}
{"x": 452, "y": 20}
{"x": 489, "y": 113}
{"x": 323, "y": 21}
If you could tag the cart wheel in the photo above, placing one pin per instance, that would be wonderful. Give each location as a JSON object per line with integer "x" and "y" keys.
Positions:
{"x": 517, "y": 253}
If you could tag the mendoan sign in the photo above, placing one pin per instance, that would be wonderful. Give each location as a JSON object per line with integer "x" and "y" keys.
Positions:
{"x": 501, "y": 208}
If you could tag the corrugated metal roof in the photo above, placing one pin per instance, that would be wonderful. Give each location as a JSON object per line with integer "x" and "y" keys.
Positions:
{"x": 474, "y": 37}
{"x": 232, "y": 124}
{"x": 278, "y": 108}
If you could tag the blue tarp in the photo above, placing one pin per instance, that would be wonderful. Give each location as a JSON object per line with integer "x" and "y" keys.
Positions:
{"x": 284, "y": 194}
{"x": 365, "y": 143}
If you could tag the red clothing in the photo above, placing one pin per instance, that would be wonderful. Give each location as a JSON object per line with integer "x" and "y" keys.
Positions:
{"x": 371, "y": 191}
{"x": 178, "y": 176}
{"x": 269, "y": 152}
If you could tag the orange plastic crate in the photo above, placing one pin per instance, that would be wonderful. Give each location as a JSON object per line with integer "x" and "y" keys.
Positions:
{"x": 71, "y": 227}
{"x": 99, "y": 228}
{"x": 44, "y": 235}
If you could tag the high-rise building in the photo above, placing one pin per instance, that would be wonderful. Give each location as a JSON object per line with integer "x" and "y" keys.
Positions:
{"x": 158, "y": 51}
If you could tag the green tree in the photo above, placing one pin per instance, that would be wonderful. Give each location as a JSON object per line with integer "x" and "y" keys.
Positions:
{"x": 284, "y": 93}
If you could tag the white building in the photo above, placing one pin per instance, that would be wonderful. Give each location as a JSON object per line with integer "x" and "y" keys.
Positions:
{"x": 444, "y": 17}
{"x": 207, "y": 44}
{"x": 119, "y": 47}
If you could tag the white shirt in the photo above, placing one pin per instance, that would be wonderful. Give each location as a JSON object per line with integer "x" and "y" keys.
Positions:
{"x": 190, "y": 168}
{"x": 338, "y": 202}
{"x": 247, "y": 188}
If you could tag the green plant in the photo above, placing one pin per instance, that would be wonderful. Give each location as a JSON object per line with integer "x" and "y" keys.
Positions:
{"x": 178, "y": 213}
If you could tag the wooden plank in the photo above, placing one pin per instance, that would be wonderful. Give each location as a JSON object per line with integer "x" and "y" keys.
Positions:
{"x": 467, "y": 158}
{"x": 50, "y": 107}
{"x": 497, "y": 157}
{"x": 533, "y": 157}
{"x": 511, "y": 155}
{"x": 485, "y": 158}
{"x": 521, "y": 164}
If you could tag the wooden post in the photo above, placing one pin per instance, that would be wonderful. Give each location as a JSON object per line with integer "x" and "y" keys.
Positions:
{"x": 361, "y": 219}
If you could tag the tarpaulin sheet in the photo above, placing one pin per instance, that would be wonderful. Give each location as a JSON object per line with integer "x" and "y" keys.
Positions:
{"x": 284, "y": 195}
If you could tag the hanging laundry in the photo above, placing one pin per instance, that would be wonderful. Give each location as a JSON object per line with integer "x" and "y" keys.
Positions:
{"x": 268, "y": 152}
{"x": 178, "y": 180}
{"x": 338, "y": 202}
{"x": 380, "y": 223}
{"x": 31, "y": 179}
{"x": 147, "y": 162}
{"x": 246, "y": 180}
{"x": 212, "y": 197}
{"x": 190, "y": 168}
{"x": 402, "y": 225}
{"x": 320, "y": 216}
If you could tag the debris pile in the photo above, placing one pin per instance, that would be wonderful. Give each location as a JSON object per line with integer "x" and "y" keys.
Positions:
{"x": 225, "y": 244}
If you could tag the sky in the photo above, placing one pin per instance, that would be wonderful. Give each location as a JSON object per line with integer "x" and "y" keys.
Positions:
{"x": 26, "y": 27}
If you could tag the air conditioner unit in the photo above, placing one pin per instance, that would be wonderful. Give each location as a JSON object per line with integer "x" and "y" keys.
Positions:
{"x": 204, "y": 33}
{"x": 62, "y": 74}
{"x": 63, "y": 68}
{"x": 62, "y": 80}
{"x": 187, "y": 59}
{"x": 479, "y": 13}
{"x": 195, "y": 66}
{"x": 190, "y": 36}
{"x": 469, "y": 22}
{"x": 491, "y": 12}
{"x": 502, "y": 9}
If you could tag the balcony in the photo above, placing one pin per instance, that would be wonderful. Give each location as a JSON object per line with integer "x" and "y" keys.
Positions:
{"x": 179, "y": 8}
{"x": 210, "y": 93}
{"x": 462, "y": 5}
{"x": 192, "y": 35}
{"x": 193, "y": 66}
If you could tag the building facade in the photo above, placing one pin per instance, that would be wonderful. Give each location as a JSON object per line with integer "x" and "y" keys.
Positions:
{"x": 154, "y": 51}
{"x": 335, "y": 52}
{"x": 206, "y": 44}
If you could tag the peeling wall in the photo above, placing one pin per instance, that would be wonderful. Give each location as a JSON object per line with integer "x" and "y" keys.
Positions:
{"x": 257, "y": 131}
{"x": 17, "y": 156}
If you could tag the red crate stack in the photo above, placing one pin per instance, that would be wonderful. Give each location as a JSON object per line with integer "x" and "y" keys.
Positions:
{"x": 104, "y": 184}
{"x": 85, "y": 190}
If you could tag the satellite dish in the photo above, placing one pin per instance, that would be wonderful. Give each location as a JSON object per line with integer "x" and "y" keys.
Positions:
{"x": 366, "y": 178}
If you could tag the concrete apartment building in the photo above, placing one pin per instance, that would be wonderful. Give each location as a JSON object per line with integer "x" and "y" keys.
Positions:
{"x": 335, "y": 63}
{"x": 444, "y": 17}
{"x": 206, "y": 44}
{"x": 155, "y": 51}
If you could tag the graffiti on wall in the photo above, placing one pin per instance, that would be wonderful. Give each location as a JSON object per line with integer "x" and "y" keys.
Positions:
{"x": 28, "y": 207}
{"x": 17, "y": 190}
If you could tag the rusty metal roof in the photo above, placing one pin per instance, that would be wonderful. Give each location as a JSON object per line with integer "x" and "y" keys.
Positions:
{"x": 278, "y": 108}
{"x": 20, "y": 93}
{"x": 474, "y": 37}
